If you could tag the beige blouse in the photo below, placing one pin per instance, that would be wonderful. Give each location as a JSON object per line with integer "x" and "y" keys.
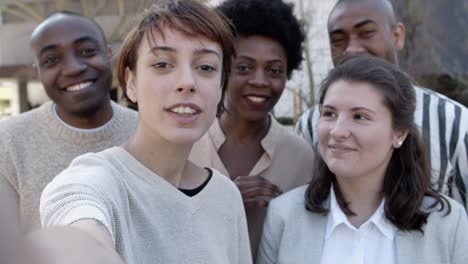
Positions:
{"x": 286, "y": 162}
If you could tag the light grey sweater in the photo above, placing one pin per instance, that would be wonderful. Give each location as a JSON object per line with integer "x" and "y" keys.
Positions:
{"x": 294, "y": 235}
{"x": 35, "y": 146}
{"x": 150, "y": 221}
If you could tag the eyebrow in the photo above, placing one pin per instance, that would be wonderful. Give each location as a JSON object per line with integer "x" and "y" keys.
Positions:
{"x": 77, "y": 41}
{"x": 252, "y": 59}
{"x": 358, "y": 25}
{"x": 364, "y": 22}
{"x": 172, "y": 50}
{"x": 354, "y": 109}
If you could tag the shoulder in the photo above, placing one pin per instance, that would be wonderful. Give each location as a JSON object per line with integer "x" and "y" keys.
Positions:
{"x": 22, "y": 121}
{"x": 224, "y": 183}
{"x": 310, "y": 113}
{"x": 443, "y": 215}
{"x": 290, "y": 203}
{"x": 422, "y": 91}
{"x": 92, "y": 170}
{"x": 289, "y": 140}
{"x": 125, "y": 115}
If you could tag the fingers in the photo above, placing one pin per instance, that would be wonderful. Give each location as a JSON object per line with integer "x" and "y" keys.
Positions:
{"x": 248, "y": 182}
{"x": 256, "y": 191}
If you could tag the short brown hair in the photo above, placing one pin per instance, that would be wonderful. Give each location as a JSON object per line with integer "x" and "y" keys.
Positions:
{"x": 188, "y": 16}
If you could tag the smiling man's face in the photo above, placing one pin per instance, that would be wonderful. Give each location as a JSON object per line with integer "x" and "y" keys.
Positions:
{"x": 73, "y": 64}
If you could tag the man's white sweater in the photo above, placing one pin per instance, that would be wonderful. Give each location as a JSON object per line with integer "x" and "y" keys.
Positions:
{"x": 36, "y": 146}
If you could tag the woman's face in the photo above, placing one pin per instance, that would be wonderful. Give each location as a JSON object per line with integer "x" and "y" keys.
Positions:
{"x": 257, "y": 79}
{"x": 177, "y": 85}
{"x": 355, "y": 132}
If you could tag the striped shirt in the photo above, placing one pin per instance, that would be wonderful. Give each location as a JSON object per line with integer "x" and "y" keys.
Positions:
{"x": 444, "y": 126}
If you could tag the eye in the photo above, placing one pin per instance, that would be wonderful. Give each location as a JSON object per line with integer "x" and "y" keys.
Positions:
{"x": 327, "y": 113}
{"x": 50, "y": 61}
{"x": 361, "y": 117}
{"x": 161, "y": 65}
{"x": 277, "y": 71}
{"x": 337, "y": 40}
{"x": 244, "y": 68}
{"x": 88, "y": 52}
{"x": 207, "y": 68}
{"x": 367, "y": 33}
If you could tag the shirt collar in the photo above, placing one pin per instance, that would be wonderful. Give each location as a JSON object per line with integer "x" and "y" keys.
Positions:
{"x": 337, "y": 217}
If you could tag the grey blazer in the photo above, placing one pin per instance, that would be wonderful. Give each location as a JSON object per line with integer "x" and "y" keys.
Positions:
{"x": 293, "y": 235}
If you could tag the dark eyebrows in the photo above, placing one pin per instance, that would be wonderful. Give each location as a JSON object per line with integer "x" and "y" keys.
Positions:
{"x": 46, "y": 48}
{"x": 364, "y": 22}
{"x": 354, "y": 109}
{"x": 327, "y": 106}
{"x": 86, "y": 39}
{"x": 253, "y": 60}
{"x": 207, "y": 51}
{"x": 196, "y": 52}
{"x": 161, "y": 48}
{"x": 357, "y": 25}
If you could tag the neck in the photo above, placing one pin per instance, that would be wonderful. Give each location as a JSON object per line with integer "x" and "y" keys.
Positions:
{"x": 96, "y": 119}
{"x": 165, "y": 159}
{"x": 237, "y": 127}
{"x": 363, "y": 197}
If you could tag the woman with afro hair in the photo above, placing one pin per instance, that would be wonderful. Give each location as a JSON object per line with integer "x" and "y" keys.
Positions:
{"x": 245, "y": 142}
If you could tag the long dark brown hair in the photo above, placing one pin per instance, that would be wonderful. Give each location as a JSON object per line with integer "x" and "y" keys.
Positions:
{"x": 407, "y": 180}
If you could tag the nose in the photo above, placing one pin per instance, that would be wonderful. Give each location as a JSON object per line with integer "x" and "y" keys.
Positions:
{"x": 259, "y": 79}
{"x": 186, "y": 81}
{"x": 354, "y": 47}
{"x": 340, "y": 129}
{"x": 73, "y": 66}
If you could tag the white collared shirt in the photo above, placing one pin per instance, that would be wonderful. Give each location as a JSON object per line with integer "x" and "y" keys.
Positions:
{"x": 372, "y": 242}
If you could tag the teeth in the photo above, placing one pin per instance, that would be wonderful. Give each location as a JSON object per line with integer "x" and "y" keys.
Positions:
{"x": 184, "y": 110}
{"x": 79, "y": 86}
{"x": 257, "y": 99}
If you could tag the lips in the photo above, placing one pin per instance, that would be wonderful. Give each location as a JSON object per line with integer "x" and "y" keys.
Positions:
{"x": 339, "y": 148}
{"x": 184, "y": 110}
{"x": 257, "y": 102}
{"x": 78, "y": 86}
{"x": 256, "y": 99}
{"x": 184, "y": 113}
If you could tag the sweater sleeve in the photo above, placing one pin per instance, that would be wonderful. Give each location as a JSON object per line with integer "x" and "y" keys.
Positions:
{"x": 271, "y": 238}
{"x": 80, "y": 192}
{"x": 8, "y": 175}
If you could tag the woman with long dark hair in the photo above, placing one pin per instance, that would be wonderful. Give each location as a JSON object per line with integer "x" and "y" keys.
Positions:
{"x": 371, "y": 199}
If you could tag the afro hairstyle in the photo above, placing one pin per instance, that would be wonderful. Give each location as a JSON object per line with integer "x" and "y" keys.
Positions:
{"x": 273, "y": 19}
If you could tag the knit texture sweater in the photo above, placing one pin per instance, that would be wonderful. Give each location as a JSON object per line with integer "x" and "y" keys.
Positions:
{"x": 36, "y": 146}
{"x": 149, "y": 220}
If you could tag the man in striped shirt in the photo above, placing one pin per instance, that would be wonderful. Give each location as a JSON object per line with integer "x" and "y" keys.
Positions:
{"x": 369, "y": 27}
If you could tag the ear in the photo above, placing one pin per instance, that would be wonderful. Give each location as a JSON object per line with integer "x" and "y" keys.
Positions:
{"x": 130, "y": 87}
{"x": 37, "y": 74}
{"x": 399, "y": 35}
{"x": 109, "y": 51}
{"x": 399, "y": 138}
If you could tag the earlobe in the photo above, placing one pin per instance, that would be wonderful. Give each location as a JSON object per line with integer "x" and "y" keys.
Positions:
{"x": 109, "y": 52}
{"x": 399, "y": 34}
{"x": 130, "y": 88}
{"x": 400, "y": 139}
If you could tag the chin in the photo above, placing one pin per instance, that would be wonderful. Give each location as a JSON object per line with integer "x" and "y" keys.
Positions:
{"x": 184, "y": 138}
